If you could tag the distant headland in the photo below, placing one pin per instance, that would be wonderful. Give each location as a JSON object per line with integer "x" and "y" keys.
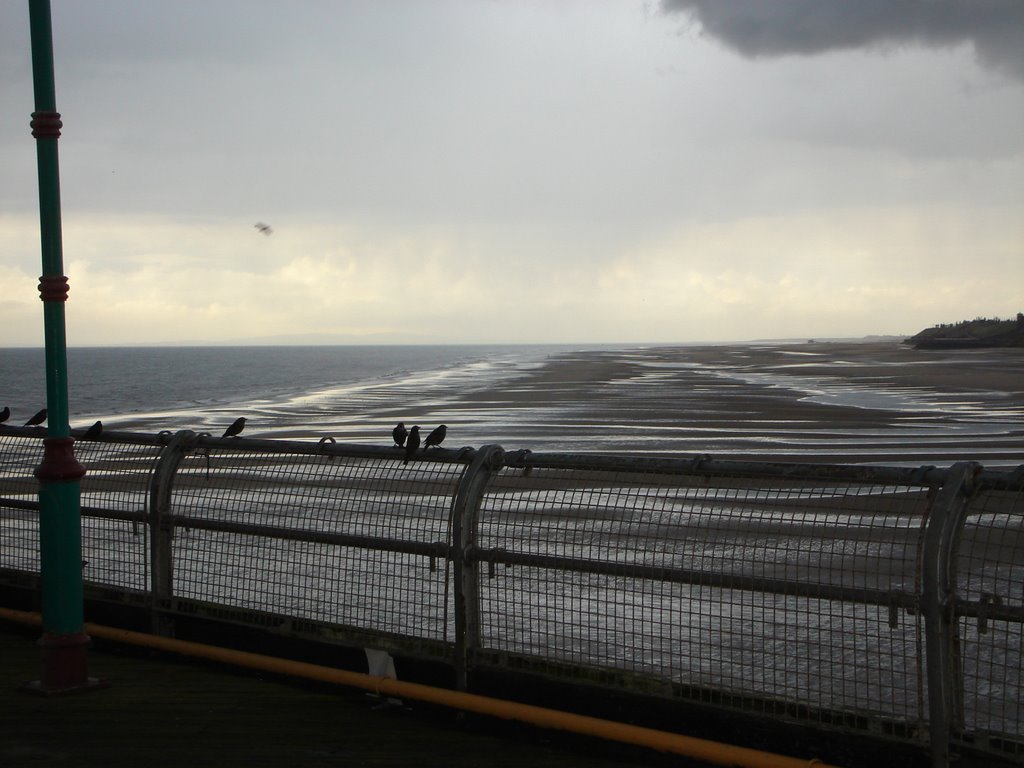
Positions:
{"x": 980, "y": 332}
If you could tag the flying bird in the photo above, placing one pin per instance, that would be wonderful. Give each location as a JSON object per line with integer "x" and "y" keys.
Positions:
{"x": 36, "y": 420}
{"x": 236, "y": 427}
{"x": 5, "y": 414}
{"x": 436, "y": 437}
{"x": 399, "y": 433}
{"x": 93, "y": 432}
{"x": 264, "y": 228}
{"x": 412, "y": 443}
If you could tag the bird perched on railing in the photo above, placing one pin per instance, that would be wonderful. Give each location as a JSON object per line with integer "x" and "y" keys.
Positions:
{"x": 399, "y": 433}
{"x": 5, "y": 414}
{"x": 36, "y": 420}
{"x": 93, "y": 432}
{"x": 236, "y": 427}
{"x": 412, "y": 442}
{"x": 436, "y": 437}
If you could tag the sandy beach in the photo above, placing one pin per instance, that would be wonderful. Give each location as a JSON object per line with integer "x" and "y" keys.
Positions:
{"x": 839, "y": 402}
{"x": 836, "y": 402}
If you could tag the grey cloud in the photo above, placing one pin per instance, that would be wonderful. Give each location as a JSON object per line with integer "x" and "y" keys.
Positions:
{"x": 806, "y": 27}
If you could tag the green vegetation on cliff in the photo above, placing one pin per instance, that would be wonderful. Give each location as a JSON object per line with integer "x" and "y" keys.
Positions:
{"x": 980, "y": 332}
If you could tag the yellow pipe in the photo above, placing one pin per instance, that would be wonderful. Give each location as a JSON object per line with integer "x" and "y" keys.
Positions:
{"x": 688, "y": 746}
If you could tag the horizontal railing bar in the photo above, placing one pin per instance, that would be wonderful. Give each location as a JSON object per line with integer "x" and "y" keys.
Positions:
{"x": 128, "y": 516}
{"x": 705, "y": 466}
{"x": 132, "y": 516}
{"x": 427, "y": 549}
{"x": 347, "y": 450}
{"x": 20, "y": 504}
{"x": 981, "y": 609}
{"x": 698, "y": 465}
{"x": 107, "y": 436}
{"x": 260, "y": 445}
{"x": 1011, "y": 480}
{"x": 886, "y": 598}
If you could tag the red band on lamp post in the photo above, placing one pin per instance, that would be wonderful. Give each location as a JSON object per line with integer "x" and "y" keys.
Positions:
{"x": 59, "y": 464}
{"x": 53, "y": 288}
{"x": 46, "y": 125}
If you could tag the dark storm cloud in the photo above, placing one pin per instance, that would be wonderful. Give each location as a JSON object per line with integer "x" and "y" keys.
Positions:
{"x": 994, "y": 27}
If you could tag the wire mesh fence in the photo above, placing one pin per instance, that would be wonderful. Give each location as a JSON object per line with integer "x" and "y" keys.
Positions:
{"x": 990, "y": 575}
{"x": 19, "y": 524}
{"x": 779, "y": 592}
{"x": 114, "y": 501}
{"x": 350, "y": 541}
{"x": 788, "y": 590}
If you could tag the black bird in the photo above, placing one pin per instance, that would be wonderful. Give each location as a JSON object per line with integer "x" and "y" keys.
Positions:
{"x": 236, "y": 427}
{"x": 399, "y": 433}
{"x": 5, "y": 414}
{"x": 412, "y": 443}
{"x": 36, "y": 420}
{"x": 264, "y": 228}
{"x": 93, "y": 432}
{"x": 436, "y": 437}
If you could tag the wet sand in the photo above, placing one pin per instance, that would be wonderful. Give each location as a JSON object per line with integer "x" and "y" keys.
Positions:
{"x": 840, "y": 402}
{"x": 824, "y": 402}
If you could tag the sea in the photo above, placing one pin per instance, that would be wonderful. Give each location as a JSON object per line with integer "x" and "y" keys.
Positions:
{"x": 285, "y": 391}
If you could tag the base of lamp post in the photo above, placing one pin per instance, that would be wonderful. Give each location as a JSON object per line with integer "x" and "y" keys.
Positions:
{"x": 64, "y": 669}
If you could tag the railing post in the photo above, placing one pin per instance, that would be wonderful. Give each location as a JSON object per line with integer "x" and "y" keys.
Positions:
{"x": 161, "y": 531}
{"x": 465, "y": 514}
{"x": 945, "y": 689}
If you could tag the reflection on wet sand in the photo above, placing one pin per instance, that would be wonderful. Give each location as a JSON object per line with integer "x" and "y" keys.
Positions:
{"x": 870, "y": 403}
{"x": 860, "y": 403}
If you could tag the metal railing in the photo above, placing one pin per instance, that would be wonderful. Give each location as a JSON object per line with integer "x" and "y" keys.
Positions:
{"x": 876, "y": 599}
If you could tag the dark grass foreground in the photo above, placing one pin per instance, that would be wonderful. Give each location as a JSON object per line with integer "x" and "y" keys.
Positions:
{"x": 161, "y": 710}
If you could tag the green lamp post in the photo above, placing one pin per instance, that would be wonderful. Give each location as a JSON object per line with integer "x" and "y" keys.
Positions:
{"x": 64, "y": 642}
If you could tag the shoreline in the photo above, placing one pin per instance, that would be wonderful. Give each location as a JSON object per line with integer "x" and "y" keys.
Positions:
{"x": 879, "y": 403}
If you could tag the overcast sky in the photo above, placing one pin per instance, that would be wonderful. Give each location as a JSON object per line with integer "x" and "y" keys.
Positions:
{"x": 549, "y": 171}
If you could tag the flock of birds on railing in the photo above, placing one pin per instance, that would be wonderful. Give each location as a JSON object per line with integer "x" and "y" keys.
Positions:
{"x": 409, "y": 439}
